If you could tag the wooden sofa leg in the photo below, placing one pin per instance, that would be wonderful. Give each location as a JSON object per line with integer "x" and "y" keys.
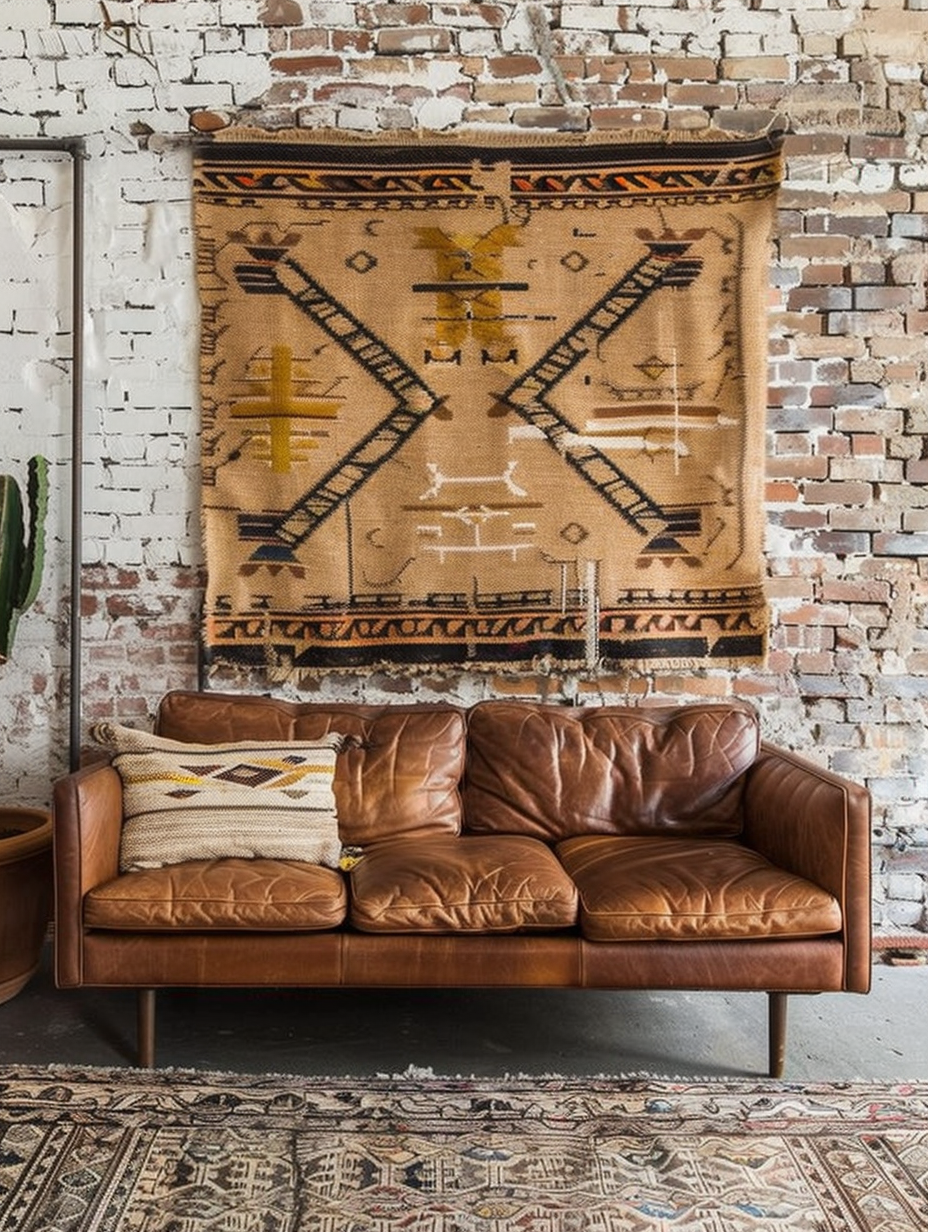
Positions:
{"x": 145, "y": 1025}
{"x": 776, "y": 1032}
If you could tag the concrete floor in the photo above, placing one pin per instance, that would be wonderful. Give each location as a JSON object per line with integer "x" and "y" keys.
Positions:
{"x": 831, "y": 1037}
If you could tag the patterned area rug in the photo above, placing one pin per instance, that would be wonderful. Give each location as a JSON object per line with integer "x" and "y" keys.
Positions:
{"x": 483, "y": 404}
{"x": 120, "y": 1149}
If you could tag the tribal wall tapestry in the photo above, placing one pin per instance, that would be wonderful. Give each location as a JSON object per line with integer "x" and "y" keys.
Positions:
{"x": 490, "y": 404}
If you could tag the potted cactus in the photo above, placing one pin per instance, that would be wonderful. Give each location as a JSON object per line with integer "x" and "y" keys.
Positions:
{"x": 25, "y": 833}
{"x": 25, "y": 894}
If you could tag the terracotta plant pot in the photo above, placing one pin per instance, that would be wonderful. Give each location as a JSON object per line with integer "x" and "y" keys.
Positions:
{"x": 25, "y": 894}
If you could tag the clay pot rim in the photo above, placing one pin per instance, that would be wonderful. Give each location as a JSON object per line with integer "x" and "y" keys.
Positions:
{"x": 35, "y": 832}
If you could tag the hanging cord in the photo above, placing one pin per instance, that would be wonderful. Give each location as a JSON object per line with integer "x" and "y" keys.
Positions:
{"x": 537, "y": 19}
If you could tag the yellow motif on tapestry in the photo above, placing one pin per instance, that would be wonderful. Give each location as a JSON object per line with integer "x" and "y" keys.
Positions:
{"x": 278, "y": 404}
{"x": 469, "y": 284}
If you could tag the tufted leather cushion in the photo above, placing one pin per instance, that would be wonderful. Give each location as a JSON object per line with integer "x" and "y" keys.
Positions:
{"x": 231, "y": 894}
{"x": 557, "y": 771}
{"x": 641, "y": 889}
{"x": 397, "y": 776}
{"x": 440, "y": 885}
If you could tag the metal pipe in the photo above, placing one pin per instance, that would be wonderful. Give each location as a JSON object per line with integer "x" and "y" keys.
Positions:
{"x": 73, "y": 146}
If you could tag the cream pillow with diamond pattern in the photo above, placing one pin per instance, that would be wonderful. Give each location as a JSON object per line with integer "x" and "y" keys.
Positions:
{"x": 208, "y": 801}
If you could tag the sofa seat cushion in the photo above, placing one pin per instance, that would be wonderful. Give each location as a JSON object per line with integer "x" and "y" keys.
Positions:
{"x": 640, "y": 889}
{"x": 229, "y": 894}
{"x": 473, "y": 885}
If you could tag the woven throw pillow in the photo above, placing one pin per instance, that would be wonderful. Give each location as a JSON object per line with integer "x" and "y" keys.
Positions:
{"x": 208, "y": 801}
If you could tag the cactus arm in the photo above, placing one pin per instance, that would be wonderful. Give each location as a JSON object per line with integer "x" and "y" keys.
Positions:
{"x": 21, "y": 562}
{"x": 11, "y": 533}
{"x": 34, "y": 560}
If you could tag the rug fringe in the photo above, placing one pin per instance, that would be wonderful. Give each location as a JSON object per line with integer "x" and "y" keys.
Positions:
{"x": 426, "y": 1074}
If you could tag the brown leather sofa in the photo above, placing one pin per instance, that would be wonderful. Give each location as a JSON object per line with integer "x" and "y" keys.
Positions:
{"x": 509, "y": 845}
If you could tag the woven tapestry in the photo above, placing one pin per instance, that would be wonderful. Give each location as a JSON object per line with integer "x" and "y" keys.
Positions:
{"x": 491, "y": 404}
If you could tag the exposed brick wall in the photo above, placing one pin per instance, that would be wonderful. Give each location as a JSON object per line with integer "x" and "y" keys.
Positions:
{"x": 847, "y": 676}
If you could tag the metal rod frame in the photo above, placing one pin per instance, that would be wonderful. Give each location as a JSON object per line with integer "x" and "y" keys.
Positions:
{"x": 75, "y": 148}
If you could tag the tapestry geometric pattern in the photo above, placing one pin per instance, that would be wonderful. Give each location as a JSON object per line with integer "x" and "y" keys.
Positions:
{"x": 490, "y": 404}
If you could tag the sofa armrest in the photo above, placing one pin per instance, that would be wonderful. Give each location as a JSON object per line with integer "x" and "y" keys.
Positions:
{"x": 815, "y": 823}
{"x": 88, "y": 824}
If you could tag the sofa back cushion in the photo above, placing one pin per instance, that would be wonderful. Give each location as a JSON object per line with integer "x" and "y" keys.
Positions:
{"x": 398, "y": 773}
{"x": 558, "y": 771}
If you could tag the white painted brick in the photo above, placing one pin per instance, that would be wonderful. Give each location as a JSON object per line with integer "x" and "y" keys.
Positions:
{"x": 586, "y": 17}
{"x": 439, "y": 113}
{"x": 906, "y": 886}
{"x": 98, "y": 526}
{"x": 189, "y": 15}
{"x": 123, "y": 550}
{"x": 914, "y": 176}
{"x": 121, "y": 501}
{"x": 737, "y": 46}
{"x": 12, "y": 44}
{"x": 77, "y": 73}
{"x": 478, "y": 43}
{"x": 76, "y": 12}
{"x": 239, "y": 12}
{"x": 255, "y": 40}
{"x": 183, "y": 95}
{"x": 17, "y": 75}
{"x": 358, "y": 119}
{"x": 629, "y": 45}
{"x": 784, "y": 43}
{"x": 903, "y": 915}
{"x": 132, "y": 71}
{"x": 61, "y": 42}
{"x": 233, "y": 69}
{"x": 331, "y": 13}
{"x": 229, "y": 38}
{"x": 73, "y": 123}
{"x": 38, "y": 320}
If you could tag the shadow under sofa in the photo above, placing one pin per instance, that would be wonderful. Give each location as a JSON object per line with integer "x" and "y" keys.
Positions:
{"x": 509, "y": 844}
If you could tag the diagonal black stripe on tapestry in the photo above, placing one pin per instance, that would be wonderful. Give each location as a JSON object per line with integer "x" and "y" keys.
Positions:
{"x": 483, "y": 405}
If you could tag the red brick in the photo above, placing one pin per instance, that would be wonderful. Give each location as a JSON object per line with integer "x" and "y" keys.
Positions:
{"x": 816, "y": 614}
{"x": 756, "y": 68}
{"x": 686, "y": 68}
{"x": 820, "y": 663}
{"x": 514, "y": 66}
{"x": 868, "y": 446}
{"x": 792, "y": 467}
{"x": 821, "y": 275}
{"x": 781, "y": 492}
{"x": 818, "y": 144}
{"x": 878, "y": 149}
{"x": 803, "y": 519}
{"x": 850, "y": 493}
{"x": 300, "y": 66}
{"x": 856, "y": 591}
{"x": 358, "y": 41}
{"x": 626, "y": 117}
{"x": 702, "y": 95}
